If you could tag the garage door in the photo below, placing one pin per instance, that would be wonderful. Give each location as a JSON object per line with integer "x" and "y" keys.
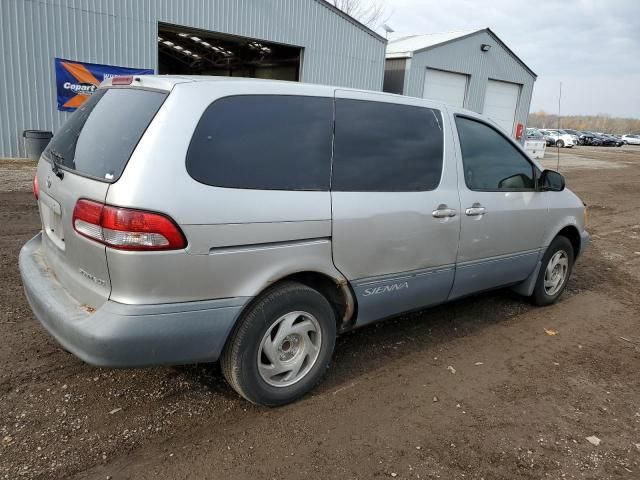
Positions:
{"x": 447, "y": 87}
{"x": 500, "y": 103}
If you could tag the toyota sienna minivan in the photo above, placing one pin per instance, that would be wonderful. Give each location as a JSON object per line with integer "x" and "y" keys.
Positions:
{"x": 190, "y": 220}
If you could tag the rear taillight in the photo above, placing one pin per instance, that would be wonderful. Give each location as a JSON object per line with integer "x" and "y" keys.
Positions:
{"x": 36, "y": 190}
{"x": 126, "y": 228}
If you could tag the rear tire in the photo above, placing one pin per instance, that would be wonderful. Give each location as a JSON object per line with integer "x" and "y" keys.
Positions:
{"x": 557, "y": 264}
{"x": 281, "y": 346}
{"x": 560, "y": 143}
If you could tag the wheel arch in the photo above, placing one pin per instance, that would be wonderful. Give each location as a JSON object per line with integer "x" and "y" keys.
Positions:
{"x": 336, "y": 290}
{"x": 573, "y": 235}
{"x": 570, "y": 232}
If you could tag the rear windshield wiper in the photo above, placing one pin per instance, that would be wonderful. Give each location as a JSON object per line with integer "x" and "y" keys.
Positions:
{"x": 56, "y": 161}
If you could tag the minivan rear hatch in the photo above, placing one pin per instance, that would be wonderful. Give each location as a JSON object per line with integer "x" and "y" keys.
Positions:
{"x": 87, "y": 154}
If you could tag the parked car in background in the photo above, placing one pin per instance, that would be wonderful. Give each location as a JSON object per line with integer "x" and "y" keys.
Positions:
{"x": 570, "y": 131}
{"x": 561, "y": 139}
{"x": 614, "y": 141}
{"x": 602, "y": 140}
{"x": 181, "y": 224}
{"x": 534, "y": 134}
{"x": 631, "y": 139}
{"x": 588, "y": 138}
{"x": 574, "y": 133}
{"x": 610, "y": 141}
{"x": 618, "y": 138}
{"x": 575, "y": 136}
{"x": 551, "y": 141}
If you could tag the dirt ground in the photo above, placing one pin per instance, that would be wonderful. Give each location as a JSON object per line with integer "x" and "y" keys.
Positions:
{"x": 520, "y": 404}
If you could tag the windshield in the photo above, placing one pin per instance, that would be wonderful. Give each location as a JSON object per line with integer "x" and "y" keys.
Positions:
{"x": 100, "y": 136}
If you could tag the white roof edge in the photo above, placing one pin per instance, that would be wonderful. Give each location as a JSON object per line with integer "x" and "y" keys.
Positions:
{"x": 399, "y": 55}
{"x": 414, "y": 43}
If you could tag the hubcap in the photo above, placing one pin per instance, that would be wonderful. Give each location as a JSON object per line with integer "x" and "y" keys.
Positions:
{"x": 556, "y": 272}
{"x": 289, "y": 349}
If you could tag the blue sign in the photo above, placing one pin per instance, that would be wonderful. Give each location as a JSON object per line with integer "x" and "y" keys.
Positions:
{"x": 76, "y": 81}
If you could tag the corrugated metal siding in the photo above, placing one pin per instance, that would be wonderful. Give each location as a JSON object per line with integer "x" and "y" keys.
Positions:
{"x": 123, "y": 32}
{"x": 394, "y": 71}
{"x": 464, "y": 56}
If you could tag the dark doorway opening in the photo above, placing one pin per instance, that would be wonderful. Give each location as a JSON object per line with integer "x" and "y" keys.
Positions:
{"x": 188, "y": 51}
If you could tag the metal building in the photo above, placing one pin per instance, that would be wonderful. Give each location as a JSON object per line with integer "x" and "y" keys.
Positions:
{"x": 300, "y": 40}
{"x": 473, "y": 70}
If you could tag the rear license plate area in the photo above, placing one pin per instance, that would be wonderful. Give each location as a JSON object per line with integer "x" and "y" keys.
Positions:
{"x": 52, "y": 220}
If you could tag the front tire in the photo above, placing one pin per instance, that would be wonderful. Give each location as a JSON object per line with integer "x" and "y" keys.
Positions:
{"x": 560, "y": 143}
{"x": 281, "y": 346}
{"x": 557, "y": 264}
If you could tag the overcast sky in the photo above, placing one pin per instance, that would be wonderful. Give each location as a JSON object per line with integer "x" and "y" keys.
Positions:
{"x": 592, "y": 46}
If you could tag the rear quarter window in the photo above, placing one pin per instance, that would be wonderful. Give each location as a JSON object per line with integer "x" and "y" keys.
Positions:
{"x": 267, "y": 142}
{"x": 100, "y": 136}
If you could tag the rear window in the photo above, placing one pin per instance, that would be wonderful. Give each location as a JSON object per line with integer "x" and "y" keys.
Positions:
{"x": 385, "y": 147}
{"x": 100, "y": 136}
{"x": 266, "y": 142}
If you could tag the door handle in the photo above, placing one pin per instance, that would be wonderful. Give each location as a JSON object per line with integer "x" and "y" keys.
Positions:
{"x": 475, "y": 210}
{"x": 443, "y": 212}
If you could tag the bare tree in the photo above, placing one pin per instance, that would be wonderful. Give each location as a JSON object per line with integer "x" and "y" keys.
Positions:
{"x": 372, "y": 13}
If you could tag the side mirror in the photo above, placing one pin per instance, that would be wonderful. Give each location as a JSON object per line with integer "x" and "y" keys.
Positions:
{"x": 551, "y": 181}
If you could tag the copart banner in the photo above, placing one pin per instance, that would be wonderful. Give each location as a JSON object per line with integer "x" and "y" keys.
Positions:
{"x": 76, "y": 81}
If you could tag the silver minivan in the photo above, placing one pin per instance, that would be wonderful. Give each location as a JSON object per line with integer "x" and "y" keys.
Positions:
{"x": 190, "y": 220}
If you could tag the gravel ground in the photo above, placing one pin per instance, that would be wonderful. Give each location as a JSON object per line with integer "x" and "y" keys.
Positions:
{"x": 16, "y": 175}
{"x": 520, "y": 405}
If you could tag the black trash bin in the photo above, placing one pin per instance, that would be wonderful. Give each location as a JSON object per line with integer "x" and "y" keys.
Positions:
{"x": 35, "y": 141}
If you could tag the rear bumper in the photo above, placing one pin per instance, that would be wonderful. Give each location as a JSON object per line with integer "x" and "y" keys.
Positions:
{"x": 119, "y": 335}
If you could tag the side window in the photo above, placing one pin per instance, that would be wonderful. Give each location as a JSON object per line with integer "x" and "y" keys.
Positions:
{"x": 269, "y": 142}
{"x": 385, "y": 147}
{"x": 490, "y": 161}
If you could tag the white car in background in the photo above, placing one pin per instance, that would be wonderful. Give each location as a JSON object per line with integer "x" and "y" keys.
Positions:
{"x": 562, "y": 138}
{"x": 631, "y": 139}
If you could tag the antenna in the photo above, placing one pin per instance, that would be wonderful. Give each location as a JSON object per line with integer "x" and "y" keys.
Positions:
{"x": 387, "y": 30}
{"x": 557, "y": 146}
